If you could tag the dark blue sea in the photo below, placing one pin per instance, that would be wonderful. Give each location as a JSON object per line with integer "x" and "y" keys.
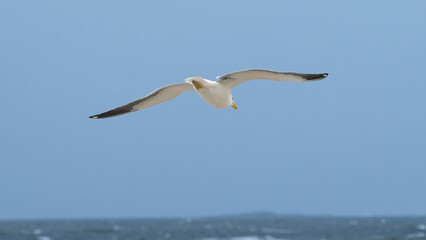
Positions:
{"x": 240, "y": 227}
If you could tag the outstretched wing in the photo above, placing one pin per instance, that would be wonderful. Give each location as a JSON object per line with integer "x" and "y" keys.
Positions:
{"x": 158, "y": 96}
{"x": 233, "y": 79}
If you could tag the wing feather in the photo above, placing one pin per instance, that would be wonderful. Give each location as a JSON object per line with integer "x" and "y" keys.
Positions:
{"x": 233, "y": 79}
{"x": 158, "y": 96}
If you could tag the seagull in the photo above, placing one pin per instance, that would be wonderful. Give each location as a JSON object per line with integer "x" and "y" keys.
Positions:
{"x": 216, "y": 93}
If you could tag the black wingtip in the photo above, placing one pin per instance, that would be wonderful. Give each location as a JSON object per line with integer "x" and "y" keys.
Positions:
{"x": 313, "y": 77}
{"x": 112, "y": 113}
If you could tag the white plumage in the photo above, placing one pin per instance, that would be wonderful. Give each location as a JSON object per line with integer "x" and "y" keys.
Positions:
{"x": 216, "y": 93}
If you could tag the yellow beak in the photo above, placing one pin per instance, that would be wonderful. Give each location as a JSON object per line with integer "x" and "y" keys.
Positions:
{"x": 234, "y": 106}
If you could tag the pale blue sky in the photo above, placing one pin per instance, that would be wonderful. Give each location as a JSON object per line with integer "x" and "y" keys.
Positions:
{"x": 354, "y": 143}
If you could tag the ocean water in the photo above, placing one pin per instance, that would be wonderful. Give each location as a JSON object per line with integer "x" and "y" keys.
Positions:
{"x": 241, "y": 227}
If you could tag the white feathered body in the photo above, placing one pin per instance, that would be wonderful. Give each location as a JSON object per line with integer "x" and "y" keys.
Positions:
{"x": 212, "y": 92}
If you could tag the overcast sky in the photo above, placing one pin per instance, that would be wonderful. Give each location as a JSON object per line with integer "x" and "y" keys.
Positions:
{"x": 354, "y": 143}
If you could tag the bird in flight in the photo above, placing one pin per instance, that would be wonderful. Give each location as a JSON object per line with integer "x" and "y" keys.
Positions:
{"x": 216, "y": 93}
